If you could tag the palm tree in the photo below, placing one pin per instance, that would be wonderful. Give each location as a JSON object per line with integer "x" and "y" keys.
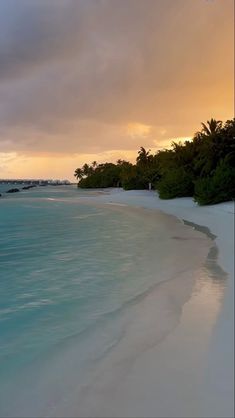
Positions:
{"x": 120, "y": 161}
{"x": 143, "y": 156}
{"x": 214, "y": 127}
{"x": 78, "y": 173}
{"x": 86, "y": 169}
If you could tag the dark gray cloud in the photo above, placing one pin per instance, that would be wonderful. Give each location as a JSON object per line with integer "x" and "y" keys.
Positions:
{"x": 74, "y": 73}
{"x": 33, "y": 33}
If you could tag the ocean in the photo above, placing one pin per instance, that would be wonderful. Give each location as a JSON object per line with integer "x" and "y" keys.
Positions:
{"x": 72, "y": 276}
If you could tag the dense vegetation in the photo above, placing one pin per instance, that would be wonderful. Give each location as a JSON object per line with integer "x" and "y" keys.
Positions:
{"x": 203, "y": 167}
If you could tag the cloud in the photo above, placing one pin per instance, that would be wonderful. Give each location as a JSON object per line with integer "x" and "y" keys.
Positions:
{"x": 138, "y": 130}
{"x": 78, "y": 76}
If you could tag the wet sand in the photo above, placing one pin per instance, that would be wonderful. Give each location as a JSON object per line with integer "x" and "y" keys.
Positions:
{"x": 176, "y": 359}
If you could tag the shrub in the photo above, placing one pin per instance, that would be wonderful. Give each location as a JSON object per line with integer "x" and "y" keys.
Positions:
{"x": 175, "y": 183}
{"x": 132, "y": 179}
{"x": 219, "y": 187}
{"x": 134, "y": 183}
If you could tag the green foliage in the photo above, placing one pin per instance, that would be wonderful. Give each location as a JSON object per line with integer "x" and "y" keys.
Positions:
{"x": 134, "y": 182}
{"x": 147, "y": 168}
{"x": 175, "y": 183}
{"x": 218, "y": 187}
{"x": 201, "y": 167}
{"x": 213, "y": 127}
{"x": 101, "y": 176}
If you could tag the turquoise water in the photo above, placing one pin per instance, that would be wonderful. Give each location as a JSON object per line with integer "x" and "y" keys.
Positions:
{"x": 68, "y": 272}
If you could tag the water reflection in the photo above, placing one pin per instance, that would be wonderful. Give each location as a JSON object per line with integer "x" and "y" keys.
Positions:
{"x": 209, "y": 290}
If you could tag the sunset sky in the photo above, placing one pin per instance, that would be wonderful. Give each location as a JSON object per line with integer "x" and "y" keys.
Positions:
{"x": 84, "y": 80}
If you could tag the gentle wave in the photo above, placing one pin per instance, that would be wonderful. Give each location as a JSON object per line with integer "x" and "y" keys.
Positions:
{"x": 73, "y": 278}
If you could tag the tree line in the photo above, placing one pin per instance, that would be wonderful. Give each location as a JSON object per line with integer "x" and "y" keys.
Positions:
{"x": 202, "y": 168}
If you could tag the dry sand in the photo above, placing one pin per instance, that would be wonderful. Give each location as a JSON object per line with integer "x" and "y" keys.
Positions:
{"x": 189, "y": 371}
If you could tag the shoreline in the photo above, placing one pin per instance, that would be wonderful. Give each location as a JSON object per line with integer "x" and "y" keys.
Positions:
{"x": 175, "y": 354}
{"x": 217, "y": 222}
{"x": 144, "y": 321}
{"x": 185, "y": 209}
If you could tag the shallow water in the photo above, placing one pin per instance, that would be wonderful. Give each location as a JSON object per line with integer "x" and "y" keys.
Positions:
{"x": 74, "y": 277}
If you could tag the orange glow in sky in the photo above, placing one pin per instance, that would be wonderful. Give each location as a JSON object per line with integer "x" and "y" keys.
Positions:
{"x": 89, "y": 80}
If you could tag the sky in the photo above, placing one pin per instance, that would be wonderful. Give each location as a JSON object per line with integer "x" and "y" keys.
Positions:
{"x": 85, "y": 80}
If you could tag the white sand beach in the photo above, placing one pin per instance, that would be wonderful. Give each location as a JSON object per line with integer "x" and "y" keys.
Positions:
{"x": 168, "y": 352}
{"x": 189, "y": 371}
